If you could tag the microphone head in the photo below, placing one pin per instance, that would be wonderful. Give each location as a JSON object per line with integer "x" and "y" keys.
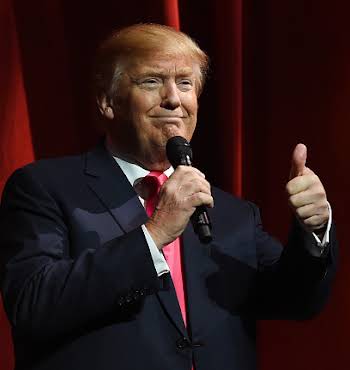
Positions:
{"x": 179, "y": 151}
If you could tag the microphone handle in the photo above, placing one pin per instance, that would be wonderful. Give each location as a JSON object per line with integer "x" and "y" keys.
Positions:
{"x": 202, "y": 225}
{"x": 200, "y": 218}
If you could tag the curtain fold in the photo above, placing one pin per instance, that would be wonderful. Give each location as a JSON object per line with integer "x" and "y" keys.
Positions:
{"x": 16, "y": 147}
{"x": 229, "y": 71}
{"x": 16, "y": 141}
{"x": 171, "y": 13}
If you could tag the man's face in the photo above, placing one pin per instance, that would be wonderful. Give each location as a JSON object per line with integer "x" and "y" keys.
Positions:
{"x": 156, "y": 100}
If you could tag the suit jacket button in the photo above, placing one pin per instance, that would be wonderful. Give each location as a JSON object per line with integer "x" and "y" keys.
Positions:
{"x": 183, "y": 343}
{"x": 128, "y": 298}
{"x": 136, "y": 295}
{"x": 197, "y": 344}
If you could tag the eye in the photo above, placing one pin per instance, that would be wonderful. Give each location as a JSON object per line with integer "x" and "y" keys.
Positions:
{"x": 185, "y": 84}
{"x": 150, "y": 82}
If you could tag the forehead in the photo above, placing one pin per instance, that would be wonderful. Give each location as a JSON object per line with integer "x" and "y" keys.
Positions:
{"x": 163, "y": 64}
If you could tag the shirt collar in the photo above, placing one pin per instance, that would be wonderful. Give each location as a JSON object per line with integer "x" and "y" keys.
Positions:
{"x": 134, "y": 172}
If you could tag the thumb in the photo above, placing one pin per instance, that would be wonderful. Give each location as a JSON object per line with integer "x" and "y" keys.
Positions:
{"x": 298, "y": 161}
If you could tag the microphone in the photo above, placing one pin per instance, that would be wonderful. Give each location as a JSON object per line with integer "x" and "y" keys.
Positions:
{"x": 179, "y": 152}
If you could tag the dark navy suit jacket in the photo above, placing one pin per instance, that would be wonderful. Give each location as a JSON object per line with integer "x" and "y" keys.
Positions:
{"x": 81, "y": 291}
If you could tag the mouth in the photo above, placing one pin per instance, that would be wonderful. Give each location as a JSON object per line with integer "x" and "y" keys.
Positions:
{"x": 168, "y": 117}
{"x": 168, "y": 120}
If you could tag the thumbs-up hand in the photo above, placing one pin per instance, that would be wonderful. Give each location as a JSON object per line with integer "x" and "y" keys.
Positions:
{"x": 307, "y": 196}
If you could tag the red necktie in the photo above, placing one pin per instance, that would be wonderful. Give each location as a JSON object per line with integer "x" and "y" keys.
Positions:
{"x": 172, "y": 251}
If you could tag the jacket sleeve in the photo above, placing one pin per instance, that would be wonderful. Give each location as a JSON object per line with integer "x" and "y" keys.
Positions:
{"x": 46, "y": 293}
{"x": 292, "y": 284}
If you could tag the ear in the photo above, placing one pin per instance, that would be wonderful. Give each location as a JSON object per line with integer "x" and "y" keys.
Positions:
{"x": 105, "y": 106}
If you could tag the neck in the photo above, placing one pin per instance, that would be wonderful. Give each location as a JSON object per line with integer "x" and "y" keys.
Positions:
{"x": 151, "y": 164}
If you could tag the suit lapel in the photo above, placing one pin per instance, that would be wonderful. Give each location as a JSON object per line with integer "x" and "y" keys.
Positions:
{"x": 110, "y": 185}
{"x": 168, "y": 299}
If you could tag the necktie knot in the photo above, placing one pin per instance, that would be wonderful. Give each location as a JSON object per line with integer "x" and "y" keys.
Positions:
{"x": 153, "y": 182}
{"x": 151, "y": 185}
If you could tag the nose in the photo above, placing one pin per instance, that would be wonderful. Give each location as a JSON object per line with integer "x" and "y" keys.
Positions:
{"x": 170, "y": 96}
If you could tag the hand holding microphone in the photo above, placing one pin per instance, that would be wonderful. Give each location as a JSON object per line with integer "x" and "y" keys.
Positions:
{"x": 183, "y": 195}
{"x": 179, "y": 152}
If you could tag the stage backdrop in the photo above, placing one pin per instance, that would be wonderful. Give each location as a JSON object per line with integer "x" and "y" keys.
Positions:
{"x": 280, "y": 74}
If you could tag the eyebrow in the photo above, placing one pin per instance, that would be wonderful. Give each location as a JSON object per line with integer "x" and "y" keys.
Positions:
{"x": 184, "y": 72}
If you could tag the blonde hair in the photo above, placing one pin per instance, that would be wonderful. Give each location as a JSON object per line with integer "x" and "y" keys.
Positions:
{"x": 142, "y": 40}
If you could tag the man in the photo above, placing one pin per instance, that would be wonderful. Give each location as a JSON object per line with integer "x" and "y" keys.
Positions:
{"x": 91, "y": 282}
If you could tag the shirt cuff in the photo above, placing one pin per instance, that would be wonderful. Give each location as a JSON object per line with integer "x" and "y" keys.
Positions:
{"x": 159, "y": 261}
{"x": 325, "y": 240}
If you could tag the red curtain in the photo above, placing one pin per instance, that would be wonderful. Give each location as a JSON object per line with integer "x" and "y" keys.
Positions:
{"x": 280, "y": 74}
{"x": 16, "y": 147}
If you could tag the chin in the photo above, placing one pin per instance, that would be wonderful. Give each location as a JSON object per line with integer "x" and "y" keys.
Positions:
{"x": 169, "y": 131}
{"x": 157, "y": 163}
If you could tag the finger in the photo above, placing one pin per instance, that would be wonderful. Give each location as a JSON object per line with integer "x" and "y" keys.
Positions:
{"x": 199, "y": 199}
{"x": 310, "y": 210}
{"x": 298, "y": 161}
{"x": 186, "y": 184}
{"x": 302, "y": 183}
{"x": 308, "y": 197}
{"x": 181, "y": 170}
{"x": 315, "y": 222}
{"x": 195, "y": 185}
{"x": 300, "y": 200}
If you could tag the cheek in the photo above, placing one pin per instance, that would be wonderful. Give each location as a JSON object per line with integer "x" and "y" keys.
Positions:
{"x": 194, "y": 111}
{"x": 191, "y": 126}
{"x": 190, "y": 102}
{"x": 142, "y": 103}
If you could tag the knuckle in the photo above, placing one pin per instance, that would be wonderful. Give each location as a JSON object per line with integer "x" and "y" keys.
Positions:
{"x": 312, "y": 221}
{"x": 293, "y": 200}
{"x": 299, "y": 212}
{"x": 310, "y": 179}
{"x": 315, "y": 178}
{"x": 308, "y": 221}
{"x": 323, "y": 211}
{"x": 289, "y": 188}
{"x": 200, "y": 196}
{"x": 205, "y": 189}
{"x": 324, "y": 207}
{"x": 320, "y": 193}
{"x": 207, "y": 184}
{"x": 201, "y": 184}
